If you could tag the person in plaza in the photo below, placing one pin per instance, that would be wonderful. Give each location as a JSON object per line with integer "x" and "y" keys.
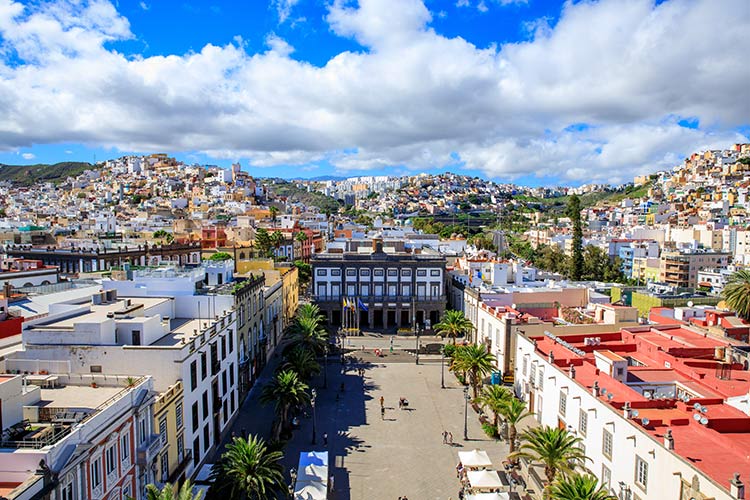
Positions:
{"x": 445, "y": 437}
{"x": 382, "y": 401}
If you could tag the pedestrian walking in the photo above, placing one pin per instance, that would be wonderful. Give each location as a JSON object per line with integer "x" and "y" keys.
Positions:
{"x": 450, "y": 438}
{"x": 382, "y": 401}
{"x": 325, "y": 438}
{"x": 445, "y": 437}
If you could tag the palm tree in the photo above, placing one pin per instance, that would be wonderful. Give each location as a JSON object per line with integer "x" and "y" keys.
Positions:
{"x": 274, "y": 212}
{"x": 302, "y": 361}
{"x": 557, "y": 449}
{"x": 284, "y": 391}
{"x": 248, "y": 469}
{"x": 309, "y": 311}
{"x": 737, "y": 293}
{"x": 453, "y": 324}
{"x": 493, "y": 397}
{"x": 513, "y": 411}
{"x": 309, "y": 333}
{"x": 172, "y": 492}
{"x": 579, "y": 487}
{"x": 476, "y": 362}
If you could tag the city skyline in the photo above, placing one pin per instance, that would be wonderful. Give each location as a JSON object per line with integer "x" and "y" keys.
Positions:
{"x": 530, "y": 92}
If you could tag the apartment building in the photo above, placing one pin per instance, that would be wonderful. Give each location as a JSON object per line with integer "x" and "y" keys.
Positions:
{"x": 662, "y": 411}
{"x": 65, "y": 438}
{"x": 680, "y": 269}
{"x": 397, "y": 289}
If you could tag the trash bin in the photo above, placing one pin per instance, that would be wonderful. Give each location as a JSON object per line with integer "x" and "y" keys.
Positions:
{"x": 495, "y": 378}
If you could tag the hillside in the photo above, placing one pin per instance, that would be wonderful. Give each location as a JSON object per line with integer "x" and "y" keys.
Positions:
{"x": 312, "y": 198}
{"x": 558, "y": 205}
{"x": 28, "y": 175}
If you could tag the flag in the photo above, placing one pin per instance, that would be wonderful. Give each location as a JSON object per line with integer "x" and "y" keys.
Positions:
{"x": 361, "y": 305}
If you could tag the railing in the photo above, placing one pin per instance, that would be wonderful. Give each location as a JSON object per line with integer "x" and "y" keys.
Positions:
{"x": 37, "y": 443}
{"x": 148, "y": 450}
{"x": 382, "y": 298}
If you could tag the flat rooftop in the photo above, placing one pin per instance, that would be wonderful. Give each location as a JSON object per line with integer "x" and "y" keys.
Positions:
{"x": 98, "y": 312}
{"x": 182, "y": 328}
{"x": 80, "y": 397}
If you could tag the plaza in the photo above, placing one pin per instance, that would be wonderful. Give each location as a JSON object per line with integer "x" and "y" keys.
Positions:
{"x": 403, "y": 453}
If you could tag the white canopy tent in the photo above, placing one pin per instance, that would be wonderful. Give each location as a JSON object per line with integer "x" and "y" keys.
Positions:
{"x": 312, "y": 490}
{"x": 484, "y": 479}
{"x": 312, "y": 476}
{"x": 488, "y": 496}
{"x": 312, "y": 472}
{"x": 474, "y": 459}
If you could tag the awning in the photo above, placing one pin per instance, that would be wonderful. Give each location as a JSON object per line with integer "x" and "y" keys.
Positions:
{"x": 310, "y": 491}
{"x": 488, "y": 496}
{"x": 313, "y": 458}
{"x": 474, "y": 459}
{"x": 312, "y": 472}
{"x": 484, "y": 479}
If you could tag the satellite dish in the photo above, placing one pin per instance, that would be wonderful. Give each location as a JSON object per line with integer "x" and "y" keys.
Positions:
{"x": 610, "y": 396}
{"x": 704, "y": 409}
{"x": 690, "y": 303}
{"x": 604, "y": 392}
{"x": 696, "y": 416}
{"x": 645, "y": 421}
{"x": 697, "y": 406}
{"x": 703, "y": 421}
{"x": 634, "y": 413}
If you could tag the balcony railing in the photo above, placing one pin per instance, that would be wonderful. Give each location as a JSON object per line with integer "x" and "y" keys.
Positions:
{"x": 370, "y": 300}
{"x": 148, "y": 450}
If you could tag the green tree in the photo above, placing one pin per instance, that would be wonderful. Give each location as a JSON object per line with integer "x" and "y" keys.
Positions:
{"x": 309, "y": 333}
{"x": 262, "y": 242}
{"x": 220, "y": 257}
{"x": 476, "y": 362}
{"x": 574, "y": 212}
{"x": 556, "y": 449}
{"x": 248, "y": 470}
{"x": 274, "y": 213}
{"x": 513, "y": 411}
{"x": 284, "y": 391}
{"x": 172, "y": 492}
{"x": 737, "y": 293}
{"x": 493, "y": 398}
{"x": 579, "y": 487}
{"x": 482, "y": 242}
{"x": 453, "y": 324}
{"x": 304, "y": 270}
{"x": 302, "y": 361}
{"x": 301, "y": 237}
{"x": 277, "y": 239}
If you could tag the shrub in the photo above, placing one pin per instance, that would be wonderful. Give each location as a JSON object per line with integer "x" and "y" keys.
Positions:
{"x": 490, "y": 430}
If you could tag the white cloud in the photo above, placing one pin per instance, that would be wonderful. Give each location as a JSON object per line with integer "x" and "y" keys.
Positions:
{"x": 284, "y": 8}
{"x": 144, "y": 5}
{"x": 412, "y": 100}
{"x": 462, "y": 3}
{"x": 482, "y": 7}
{"x": 28, "y": 156}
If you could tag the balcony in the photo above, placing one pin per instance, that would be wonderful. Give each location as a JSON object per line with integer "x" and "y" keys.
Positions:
{"x": 371, "y": 300}
{"x": 147, "y": 451}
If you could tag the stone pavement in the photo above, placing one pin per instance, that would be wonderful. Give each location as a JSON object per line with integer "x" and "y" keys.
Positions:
{"x": 403, "y": 454}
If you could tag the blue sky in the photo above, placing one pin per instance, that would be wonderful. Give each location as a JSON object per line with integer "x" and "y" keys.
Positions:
{"x": 532, "y": 91}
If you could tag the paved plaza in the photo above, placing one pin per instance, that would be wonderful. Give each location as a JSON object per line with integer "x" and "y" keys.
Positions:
{"x": 403, "y": 454}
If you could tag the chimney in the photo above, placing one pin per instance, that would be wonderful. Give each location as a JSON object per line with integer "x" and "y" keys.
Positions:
{"x": 595, "y": 389}
{"x": 572, "y": 371}
{"x": 626, "y": 410}
{"x": 669, "y": 440}
{"x": 736, "y": 488}
{"x": 551, "y": 357}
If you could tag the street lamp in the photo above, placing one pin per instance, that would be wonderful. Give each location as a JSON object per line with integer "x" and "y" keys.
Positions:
{"x": 442, "y": 367}
{"x": 466, "y": 413}
{"x": 417, "y": 329}
{"x": 314, "y": 394}
{"x": 325, "y": 367}
{"x": 293, "y": 475}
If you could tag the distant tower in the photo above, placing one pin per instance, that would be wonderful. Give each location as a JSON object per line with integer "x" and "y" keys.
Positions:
{"x": 235, "y": 171}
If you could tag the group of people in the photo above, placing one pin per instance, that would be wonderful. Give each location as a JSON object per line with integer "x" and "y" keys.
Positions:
{"x": 448, "y": 438}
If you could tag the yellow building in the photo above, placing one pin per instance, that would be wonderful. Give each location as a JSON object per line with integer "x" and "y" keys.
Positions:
{"x": 273, "y": 272}
{"x": 168, "y": 423}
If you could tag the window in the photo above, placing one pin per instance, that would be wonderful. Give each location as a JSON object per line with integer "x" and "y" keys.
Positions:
{"x": 563, "y": 403}
{"x": 111, "y": 458}
{"x": 392, "y": 272}
{"x": 607, "y": 444}
{"x": 205, "y": 438}
{"x": 67, "y": 492}
{"x": 335, "y": 272}
{"x": 205, "y": 405}
{"x": 178, "y": 416}
{"x": 163, "y": 430}
{"x": 540, "y": 381}
{"x": 320, "y": 272}
{"x": 193, "y": 376}
{"x": 224, "y": 382}
{"x": 606, "y": 477}
{"x": 231, "y": 343}
{"x": 532, "y": 376}
{"x": 142, "y": 430}
{"x": 204, "y": 366}
{"x": 351, "y": 272}
{"x": 641, "y": 472}
{"x": 196, "y": 451}
{"x": 364, "y": 272}
{"x": 525, "y": 364}
{"x": 180, "y": 447}
{"x": 434, "y": 272}
{"x": 421, "y": 272}
{"x": 164, "y": 466}
{"x": 378, "y": 272}
{"x": 231, "y": 374}
{"x": 583, "y": 421}
{"x": 95, "y": 473}
{"x": 125, "y": 447}
{"x": 195, "y": 416}
{"x": 406, "y": 273}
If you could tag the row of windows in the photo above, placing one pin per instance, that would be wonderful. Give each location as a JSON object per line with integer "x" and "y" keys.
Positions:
{"x": 214, "y": 360}
{"x": 112, "y": 461}
{"x": 406, "y": 273}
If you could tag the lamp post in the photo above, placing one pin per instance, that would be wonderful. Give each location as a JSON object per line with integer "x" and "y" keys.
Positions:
{"x": 466, "y": 413}
{"x": 417, "y": 359}
{"x": 442, "y": 367}
{"x": 293, "y": 475}
{"x": 314, "y": 394}
{"x": 325, "y": 367}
